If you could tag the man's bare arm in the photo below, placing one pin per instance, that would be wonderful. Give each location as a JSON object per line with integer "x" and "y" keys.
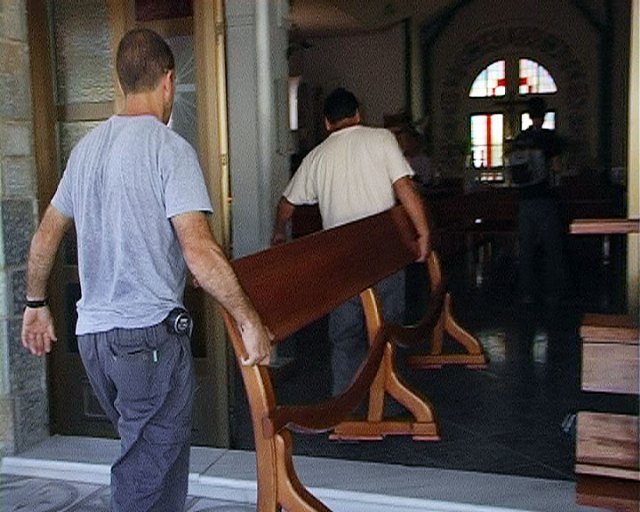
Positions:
{"x": 209, "y": 265}
{"x": 409, "y": 197}
{"x": 283, "y": 216}
{"x": 37, "y": 325}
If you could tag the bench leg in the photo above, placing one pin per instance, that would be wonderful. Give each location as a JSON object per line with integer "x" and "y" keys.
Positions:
{"x": 422, "y": 427}
{"x": 278, "y": 484}
{"x": 292, "y": 494}
{"x": 474, "y": 354}
{"x": 473, "y": 357}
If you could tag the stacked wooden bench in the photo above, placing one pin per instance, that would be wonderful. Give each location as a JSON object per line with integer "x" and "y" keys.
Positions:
{"x": 294, "y": 284}
{"x": 607, "y": 454}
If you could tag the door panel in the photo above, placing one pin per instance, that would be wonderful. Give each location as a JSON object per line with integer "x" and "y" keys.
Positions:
{"x": 75, "y": 410}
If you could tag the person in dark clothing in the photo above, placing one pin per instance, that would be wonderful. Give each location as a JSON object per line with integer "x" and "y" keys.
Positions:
{"x": 539, "y": 220}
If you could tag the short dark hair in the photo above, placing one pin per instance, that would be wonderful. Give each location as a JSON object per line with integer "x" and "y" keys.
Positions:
{"x": 536, "y": 107}
{"x": 340, "y": 104}
{"x": 143, "y": 58}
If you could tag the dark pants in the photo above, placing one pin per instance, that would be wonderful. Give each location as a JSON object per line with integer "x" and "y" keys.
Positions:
{"x": 541, "y": 233}
{"x": 347, "y": 332}
{"x": 144, "y": 381}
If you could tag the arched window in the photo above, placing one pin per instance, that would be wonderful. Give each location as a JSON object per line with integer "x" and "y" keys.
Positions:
{"x": 497, "y": 110}
{"x": 534, "y": 78}
{"x": 490, "y": 81}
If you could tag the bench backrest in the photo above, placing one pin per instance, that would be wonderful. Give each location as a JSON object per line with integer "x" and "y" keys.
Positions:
{"x": 293, "y": 284}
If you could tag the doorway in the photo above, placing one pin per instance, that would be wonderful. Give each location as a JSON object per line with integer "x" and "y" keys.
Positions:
{"x": 74, "y": 407}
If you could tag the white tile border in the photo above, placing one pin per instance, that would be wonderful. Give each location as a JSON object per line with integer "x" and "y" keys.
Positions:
{"x": 230, "y": 476}
{"x": 56, "y": 470}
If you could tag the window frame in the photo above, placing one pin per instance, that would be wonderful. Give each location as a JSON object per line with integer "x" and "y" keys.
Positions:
{"x": 512, "y": 106}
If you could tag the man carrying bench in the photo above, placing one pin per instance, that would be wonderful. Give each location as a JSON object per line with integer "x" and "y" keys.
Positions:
{"x": 356, "y": 172}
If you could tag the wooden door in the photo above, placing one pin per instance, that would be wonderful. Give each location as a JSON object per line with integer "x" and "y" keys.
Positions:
{"x": 74, "y": 407}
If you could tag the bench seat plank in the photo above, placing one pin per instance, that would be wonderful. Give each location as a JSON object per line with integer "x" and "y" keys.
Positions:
{"x": 301, "y": 281}
{"x": 604, "y": 226}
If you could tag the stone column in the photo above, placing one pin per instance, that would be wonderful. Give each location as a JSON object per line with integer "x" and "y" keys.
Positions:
{"x": 257, "y": 88}
{"x": 24, "y": 405}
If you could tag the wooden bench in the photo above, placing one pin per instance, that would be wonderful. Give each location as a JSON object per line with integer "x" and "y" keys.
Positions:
{"x": 607, "y": 452}
{"x": 294, "y": 284}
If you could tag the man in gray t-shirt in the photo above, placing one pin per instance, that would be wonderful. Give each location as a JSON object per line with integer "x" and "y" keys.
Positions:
{"x": 134, "y": 174}
{"x": 136, "y": 195}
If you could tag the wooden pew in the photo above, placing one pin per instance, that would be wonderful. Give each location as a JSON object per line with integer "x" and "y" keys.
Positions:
{"x": 607, "y": 452}
{"x": 441, "y": 210}
{"x": 297, "y": 283}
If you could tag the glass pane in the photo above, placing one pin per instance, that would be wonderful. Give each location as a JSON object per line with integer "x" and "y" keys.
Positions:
{"x": 490, "y": 81}
{"x": 294, "y": 83}
{"x": 183, "y": 115}
{"x": 549, "y": 121}
{"x": 534, "y": 78}
{"x": 496, "y": 148}
{"x": 487, "y": 140}
{"x": 82, "y": 51}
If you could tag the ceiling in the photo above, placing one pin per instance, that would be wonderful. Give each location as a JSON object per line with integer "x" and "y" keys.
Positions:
{"x": 317, "y": 18}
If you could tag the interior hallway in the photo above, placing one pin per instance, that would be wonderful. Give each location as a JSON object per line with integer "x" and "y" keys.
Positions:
{"x": 515, "y": 416}
{"x": 503, "y": 445}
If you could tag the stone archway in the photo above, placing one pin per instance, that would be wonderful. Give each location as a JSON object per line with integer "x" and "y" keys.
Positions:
{"x": 551, "y": 50}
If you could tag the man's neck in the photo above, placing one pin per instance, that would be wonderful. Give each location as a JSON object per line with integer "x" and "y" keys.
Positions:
{"x": 345, "y": 123}
{"x": 144, "y": 103}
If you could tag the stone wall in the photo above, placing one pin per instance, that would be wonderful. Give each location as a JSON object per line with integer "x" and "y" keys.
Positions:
{"x": 24, "y": 415}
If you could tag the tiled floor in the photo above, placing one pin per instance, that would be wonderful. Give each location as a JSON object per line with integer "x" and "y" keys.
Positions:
{"x": 19, "y": 493}
{"x": 72, "y": 474}
{"x": 503, "y": 445}
{"x": 507, "y": 418}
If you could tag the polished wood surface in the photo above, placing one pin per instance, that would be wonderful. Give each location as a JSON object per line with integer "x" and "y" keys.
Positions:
{"x": 610, "y": 357}
{"x": 607, "y": 445}
{"x": 292, "y": 285}
{"x": 295, "y": 283}
{"x": 615, "y": 494}
{"x": 604, "y": 226}
{"x": 614, "y": 328}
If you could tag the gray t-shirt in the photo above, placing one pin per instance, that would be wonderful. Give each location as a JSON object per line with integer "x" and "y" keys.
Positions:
{"x": 123, "y": 183}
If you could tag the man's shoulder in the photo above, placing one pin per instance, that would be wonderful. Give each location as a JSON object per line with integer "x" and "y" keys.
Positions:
{"x": 373, "y": 130}
{"x": 370, "y": 135}
{"x": 92, "y": 139}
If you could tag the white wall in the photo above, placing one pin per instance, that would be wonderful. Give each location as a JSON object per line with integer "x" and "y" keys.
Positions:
{"x": 372, "y": 66}
{"x": 256, "y": 67}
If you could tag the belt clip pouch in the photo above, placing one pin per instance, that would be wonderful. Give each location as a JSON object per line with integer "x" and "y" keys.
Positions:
{"x": 179, "y": 322}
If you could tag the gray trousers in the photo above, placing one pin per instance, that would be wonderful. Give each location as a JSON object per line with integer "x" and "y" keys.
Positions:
{"x": 347, "y": 331}
{"x": 144, "y": 381}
